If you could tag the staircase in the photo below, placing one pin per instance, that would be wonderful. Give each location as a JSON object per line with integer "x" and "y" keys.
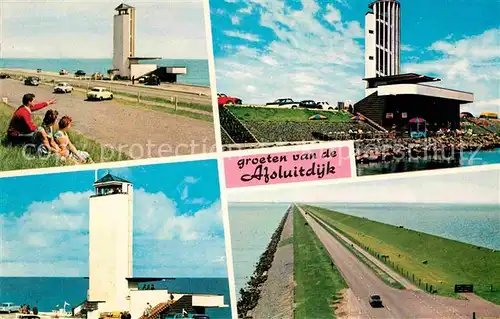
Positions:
{"x": 158, "y": 309}
{"x": 372, "y": 107}
{"x": 372, "y": 123}
{"x": 234, "y": 128}
{"x": 184, "y": 303}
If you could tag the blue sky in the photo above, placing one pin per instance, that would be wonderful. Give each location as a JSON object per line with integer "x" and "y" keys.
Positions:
{"x": 265, "y": 49}
{"x": 171, "y": 29}
{"x": 178, "y": 229}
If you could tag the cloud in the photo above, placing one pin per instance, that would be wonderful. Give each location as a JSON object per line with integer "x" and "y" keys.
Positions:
{"x": 315, "y": 52}
{"x": 235, "y": 20}
{"x": 471, "y": 64}
{"x": 169, "y": 29}
{"x": 300, "y": 44}
{"x": 245, "y": 36}
{"x": 50, "y": 238}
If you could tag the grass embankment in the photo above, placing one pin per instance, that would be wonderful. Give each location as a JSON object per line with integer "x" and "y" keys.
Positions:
{"x": 318, "y": 284}
{"x": 163, "y": 105}
{"x": 422, "y": 258}
{"x": 286, "y": 115}
{"x": 12, "y": 158}
{"x": 378, "y": 271}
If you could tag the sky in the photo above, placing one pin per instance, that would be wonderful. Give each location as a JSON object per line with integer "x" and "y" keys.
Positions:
{"x": 173, "y": 29}
{"x": 481, "y": 187}
{"x": 314, "y": 49}
{"x": 178, "y": 230}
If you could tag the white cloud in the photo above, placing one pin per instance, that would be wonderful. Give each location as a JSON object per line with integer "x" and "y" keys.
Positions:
{"x": 235, "y": 20}
{"x": 407, "y": 48}
{"x": 169, "y": 29}
{"x": 332, "y": 14}
{"x": 471, "y": 64}
{"x": 470, "y": 187}
{"x": 242, "y": 35}
{"x": 303, "y": 45}
{"x": 51, "y": 238}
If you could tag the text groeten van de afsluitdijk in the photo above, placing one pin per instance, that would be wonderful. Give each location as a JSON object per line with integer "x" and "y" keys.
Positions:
{"x": 308, "y": 168}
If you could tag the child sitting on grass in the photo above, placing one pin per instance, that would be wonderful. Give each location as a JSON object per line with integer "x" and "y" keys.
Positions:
{"x": 63, "y": 141}
{"x": 44, "y": 137}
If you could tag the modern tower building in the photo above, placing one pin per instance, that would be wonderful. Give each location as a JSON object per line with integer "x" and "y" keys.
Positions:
{"x": 383, "y": 39}
{"x": 394, "y": 100}
{"x": 112, "y": 286}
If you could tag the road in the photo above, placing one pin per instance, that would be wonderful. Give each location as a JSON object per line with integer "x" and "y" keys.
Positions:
{"x": 184, "y": 93}
{"x": 407, "y": 303}
{"x": 136, "y": 131}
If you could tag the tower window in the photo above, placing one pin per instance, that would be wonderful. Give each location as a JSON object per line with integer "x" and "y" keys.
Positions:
{"x": 370, "y": 57}
{"x": 370, "y": 31}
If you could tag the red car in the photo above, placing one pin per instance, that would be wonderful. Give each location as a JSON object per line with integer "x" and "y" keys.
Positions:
{"x": 223, "y": 99}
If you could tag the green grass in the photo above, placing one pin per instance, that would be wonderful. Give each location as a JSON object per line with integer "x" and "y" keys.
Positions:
{"x": 286, "y": 242}
{"x": 318, "y": 284}
{"x": 449, "y": 262}
{"x": 12, "y": 158}
{"x": 286, "y": 115}
{"x": 376, "y": 269}
{"x": 206, "y": 108}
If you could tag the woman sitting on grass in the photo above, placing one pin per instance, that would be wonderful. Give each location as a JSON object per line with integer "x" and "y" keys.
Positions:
{"x": 62, "y": 139}
{"x": 44, "y": 136}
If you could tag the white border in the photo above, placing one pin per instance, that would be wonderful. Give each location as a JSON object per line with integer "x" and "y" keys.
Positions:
{"x": 220, "y": 162}
{"x": 371, "y": 178}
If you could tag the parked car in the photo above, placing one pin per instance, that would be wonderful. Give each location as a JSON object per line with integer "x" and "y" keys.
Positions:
{"x": 99, "y": 93}
{"x": 32, "y": 80}
{"x": 63, "y": 72}
{"x": 375, "y": 301}
{"x": 223, "y": 99}
{"x": 325, "y": 105}
{"x": 80, "y": 73}
{"x": 63, "y": 87}
{"x": 97, "y": 76}
{"x": 38, "y": 70}
{"x": 4, "y": 76}
{"x": 8, "y": 307}
{"x": 309, "y": 104}
{"x": 151, "y": 80}
{"x": 286, "y": 103}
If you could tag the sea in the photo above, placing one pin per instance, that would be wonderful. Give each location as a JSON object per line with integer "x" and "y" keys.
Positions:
{"x": 197, "y": 70}
{"x": 466, "y": 159}
{"x": 50, "y": 293}
{"x": 252, "y": 225}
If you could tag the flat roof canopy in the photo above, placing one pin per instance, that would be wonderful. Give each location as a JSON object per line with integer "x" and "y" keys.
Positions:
{"x": 426, "y": 90}
{"x": 143, "y": 58}
{"x": 407, "y": 78}
{"x": 147, "y": 279}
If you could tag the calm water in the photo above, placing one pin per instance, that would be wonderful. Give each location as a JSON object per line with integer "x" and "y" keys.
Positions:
{"x": 476, "y": 224}
{"x": 197, "y": 69}
{"x": 466, "y": 159}
{"x": 47, "y": 292}
{"x": 252, "y": 226}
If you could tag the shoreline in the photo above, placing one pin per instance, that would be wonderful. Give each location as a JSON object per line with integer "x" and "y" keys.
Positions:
{"x": 250, "y": 294}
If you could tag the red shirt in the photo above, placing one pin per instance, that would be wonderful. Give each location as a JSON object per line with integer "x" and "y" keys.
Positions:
{"x": 21, "y": 122}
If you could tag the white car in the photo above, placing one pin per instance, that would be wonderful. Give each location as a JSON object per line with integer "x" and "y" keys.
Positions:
{"x": 63, "y": 87}
{"x": 325, "y": 105}
{"x": 8, "y": 307}
{"x": 99, "y": 93}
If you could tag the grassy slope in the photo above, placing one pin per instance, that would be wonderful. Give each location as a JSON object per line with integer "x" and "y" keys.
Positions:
{"x": 12, "y": 158}
{"x": 285, "y": 115}
{"x": 317, "y": 284}
{"x": 448, "y": 262}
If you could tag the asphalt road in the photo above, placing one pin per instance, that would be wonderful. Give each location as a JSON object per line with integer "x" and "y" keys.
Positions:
{"x": 184, "y": 93}
{"x": 136, "y": 131}
{"x": 398, "y": 304}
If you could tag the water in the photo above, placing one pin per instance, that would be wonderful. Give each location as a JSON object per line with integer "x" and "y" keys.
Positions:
{"x": 252, "y": 226}
{"x": 476, "y": 224}
{"x": 466, "y": 159}
{"x": 197, "y": 69}
{"x": 47, "y": 292}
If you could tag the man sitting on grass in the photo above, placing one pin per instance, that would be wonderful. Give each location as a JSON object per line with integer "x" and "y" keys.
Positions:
{"x": 21, "y": 128}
